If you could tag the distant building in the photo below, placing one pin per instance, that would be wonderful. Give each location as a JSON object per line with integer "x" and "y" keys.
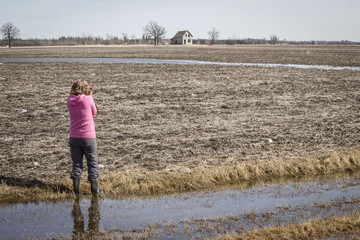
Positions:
{"x": 182, "y": 37}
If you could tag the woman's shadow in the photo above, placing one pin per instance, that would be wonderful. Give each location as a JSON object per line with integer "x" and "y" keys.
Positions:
{"x": 94, "y": 219}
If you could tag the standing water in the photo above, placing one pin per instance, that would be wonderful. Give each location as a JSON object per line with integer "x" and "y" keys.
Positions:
{"x": 167, "y": 61}
{"x": 195, "y": 215}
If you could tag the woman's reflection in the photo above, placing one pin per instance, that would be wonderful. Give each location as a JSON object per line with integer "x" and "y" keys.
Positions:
{"x": 78, "y": 217}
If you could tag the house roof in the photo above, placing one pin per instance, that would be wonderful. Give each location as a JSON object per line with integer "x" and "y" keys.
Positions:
{"x": 180, "y": 34}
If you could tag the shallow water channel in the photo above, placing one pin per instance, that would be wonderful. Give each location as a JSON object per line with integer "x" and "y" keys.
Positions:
{"x": 196, "y": 215}
{"x": 174, "y": 61}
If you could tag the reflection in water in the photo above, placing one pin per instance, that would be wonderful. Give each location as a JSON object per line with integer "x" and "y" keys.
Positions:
{"x": 94, "y": 216}
{"x": 78, "y": 217}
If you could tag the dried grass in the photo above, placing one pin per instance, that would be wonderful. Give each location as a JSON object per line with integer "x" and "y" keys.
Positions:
{"x": 137, "y": 182}
{"x": 144, "y": 183}
{"x": 313, "y": 229}
{"x": 16, "y": 194}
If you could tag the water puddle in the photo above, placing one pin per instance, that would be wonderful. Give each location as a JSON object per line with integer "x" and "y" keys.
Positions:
{"x": 195, "y": 215}
{"x": 168, "y": 61}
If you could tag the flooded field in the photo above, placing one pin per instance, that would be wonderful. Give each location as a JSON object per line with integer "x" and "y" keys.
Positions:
{"x": 279, "y": 54}
{"x": 168, "y": 134}
{"x": 173, "y": 61}
{"x": 192, "y": 215}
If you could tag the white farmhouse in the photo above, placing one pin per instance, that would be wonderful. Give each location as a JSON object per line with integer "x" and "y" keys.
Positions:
{"x": 182, "y": 37}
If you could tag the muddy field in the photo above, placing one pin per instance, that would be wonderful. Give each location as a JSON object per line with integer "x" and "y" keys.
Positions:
{"x": 282, "y": 54}
{"x": 169, "y": 117}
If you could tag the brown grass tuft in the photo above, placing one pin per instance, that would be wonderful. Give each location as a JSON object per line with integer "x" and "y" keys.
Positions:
{"x": 312, "y": 229}
{"x": 142, "y": 182}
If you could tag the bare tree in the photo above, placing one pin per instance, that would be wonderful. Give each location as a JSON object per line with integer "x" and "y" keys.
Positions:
{"x": 9, "y": 32}
{"x": 125, "y": 38}
{"x": 154, "y": 30}
{"x": 86, "y": 38}
{"x": 274, "y": 39}
{"x": 214, "y": 35}
{"x": 133, "y": 39}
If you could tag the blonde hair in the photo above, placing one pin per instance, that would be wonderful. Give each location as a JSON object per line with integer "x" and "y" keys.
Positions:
{"x": 81, "y": 87}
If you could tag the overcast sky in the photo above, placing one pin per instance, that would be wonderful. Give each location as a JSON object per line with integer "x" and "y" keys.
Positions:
{"x": 288, "y": 19}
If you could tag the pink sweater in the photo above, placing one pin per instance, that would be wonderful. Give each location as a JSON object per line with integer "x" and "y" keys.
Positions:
{"x": 81, "y": 109}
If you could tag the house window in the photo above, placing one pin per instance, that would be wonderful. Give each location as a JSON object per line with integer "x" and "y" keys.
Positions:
{"x": 189, "y": 40}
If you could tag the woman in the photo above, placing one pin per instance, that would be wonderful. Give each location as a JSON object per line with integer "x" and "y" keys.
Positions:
{"x": 82, "y": 140}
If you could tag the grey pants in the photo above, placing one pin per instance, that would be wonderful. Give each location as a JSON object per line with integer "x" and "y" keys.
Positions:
{"x": 88, "y": 147}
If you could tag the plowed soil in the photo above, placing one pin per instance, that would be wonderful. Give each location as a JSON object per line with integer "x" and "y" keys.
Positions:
{"x": 161, "y": 117}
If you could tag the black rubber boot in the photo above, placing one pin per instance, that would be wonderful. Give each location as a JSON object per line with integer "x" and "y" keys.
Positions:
{"x": 94, "y": 187}
{"x": 76, "y": 185}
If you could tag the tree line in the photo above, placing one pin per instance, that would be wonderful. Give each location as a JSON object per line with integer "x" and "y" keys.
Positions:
{"x": 152, "y": 31}
{"x": 76, "y": 40}
{"x": 153, "y": 34}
